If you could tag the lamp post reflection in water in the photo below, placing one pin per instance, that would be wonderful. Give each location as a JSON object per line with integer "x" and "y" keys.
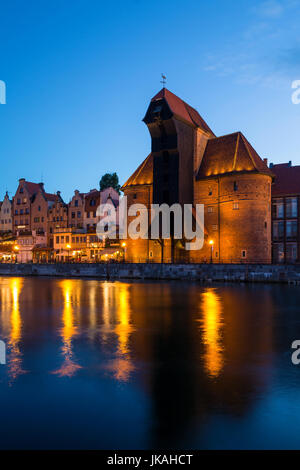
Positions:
{"x": 117, "y": 321}
{"x": 11, "y": 325}
{"x": 69, "y": 330}
{"x": 211, "y": 325}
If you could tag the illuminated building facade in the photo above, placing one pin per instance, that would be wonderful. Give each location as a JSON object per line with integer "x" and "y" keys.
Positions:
{"x": 188, "y": 164}
{"x": 286, "y": 213}
{"x": 6, "y": 215}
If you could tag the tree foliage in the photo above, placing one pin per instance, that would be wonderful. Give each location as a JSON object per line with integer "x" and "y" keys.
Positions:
{"x": 110, "y": 180}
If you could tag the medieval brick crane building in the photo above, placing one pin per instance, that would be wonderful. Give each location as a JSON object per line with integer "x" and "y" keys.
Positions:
{"x": 188, "y": 164}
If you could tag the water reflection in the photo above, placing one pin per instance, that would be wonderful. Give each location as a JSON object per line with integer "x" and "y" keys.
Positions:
{"x": 71, "y": 296}
{"x": 188, "y": 358}
{"x": 11, "y": 325}
{"x": 117, "y": 321}
{"x": 211, "y": 325}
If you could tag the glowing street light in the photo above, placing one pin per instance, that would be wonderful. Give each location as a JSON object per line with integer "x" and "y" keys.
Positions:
{"x": 211, "y": 242}
{"x": 16, "y": 249}
{"x": 68, "y": 248}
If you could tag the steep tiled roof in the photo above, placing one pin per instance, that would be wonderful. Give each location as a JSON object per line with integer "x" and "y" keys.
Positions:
{"x": 51, "y": 197}
{"x": 32, "y": 188}
{"x": 230, "y": 153}
{"x": 182, "y": 109}
{"x": 287, "y": 179}
{"x": 142, "y": 175}
{"x": 94, "y": 194}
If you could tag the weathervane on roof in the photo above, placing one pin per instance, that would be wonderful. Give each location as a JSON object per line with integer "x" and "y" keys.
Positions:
{"x": 164, "y": 79}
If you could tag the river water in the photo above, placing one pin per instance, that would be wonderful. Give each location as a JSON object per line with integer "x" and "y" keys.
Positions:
{"x": 136, "y": 365}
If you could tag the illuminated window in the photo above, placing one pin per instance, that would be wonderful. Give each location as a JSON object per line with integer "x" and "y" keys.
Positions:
{"x": 210, "y": 209}
{"x": 235, "y": 206}
{"x": 291, "y": 207}
{"x": 291, "y": 229}
{"x": 278, "y": 230}
{"x": 277, "y": 209}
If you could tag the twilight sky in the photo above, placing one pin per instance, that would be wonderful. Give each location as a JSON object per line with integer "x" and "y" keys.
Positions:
{"x": 80, "y": 74}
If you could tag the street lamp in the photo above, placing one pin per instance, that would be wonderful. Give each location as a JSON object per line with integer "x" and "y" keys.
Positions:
{"x": 16, "y": 248}
{"x": 68, "y": 248}
{"x": 211, "y": 242}
{"x": 124, "y": 251}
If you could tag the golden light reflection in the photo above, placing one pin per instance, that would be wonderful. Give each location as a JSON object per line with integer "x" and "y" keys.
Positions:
{"x": 117, "y": 321}
{"x": 69, "y": 330}
{"x": 11, "y": 324}
{"x": 211, "y": 325}
{"x": 123, "y": 328}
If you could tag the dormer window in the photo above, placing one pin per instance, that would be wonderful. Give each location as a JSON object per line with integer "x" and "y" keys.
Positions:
{"x": 157, "y": 109}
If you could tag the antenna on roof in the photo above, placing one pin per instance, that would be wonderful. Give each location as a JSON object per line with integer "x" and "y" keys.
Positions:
{"x": 164, "y": 79}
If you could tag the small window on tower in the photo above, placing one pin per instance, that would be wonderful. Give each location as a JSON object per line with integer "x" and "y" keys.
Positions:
{"x": 244, "y": 254}
{"x": 235, "y": 186}
{"x": 157, "y": 109}
{"x": 210, "y": 192}
{"x": 135, "y": 196}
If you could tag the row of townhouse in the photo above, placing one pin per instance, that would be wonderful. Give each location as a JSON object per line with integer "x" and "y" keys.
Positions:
{"x": 37, "y": 225}
{"x": 40, "y": 225}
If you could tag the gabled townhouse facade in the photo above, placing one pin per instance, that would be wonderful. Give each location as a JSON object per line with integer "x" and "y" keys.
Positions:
{"x": 92, "y": 201}
{"x": 76, "y": 210}
{"x": 57, "y": 217}
{"x": 6, "y": 215}
{"x": 40, "y": 205}
{"x": 22, "y": 205}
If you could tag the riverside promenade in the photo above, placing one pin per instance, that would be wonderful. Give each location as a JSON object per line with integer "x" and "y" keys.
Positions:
{"x": 194, "y": 272}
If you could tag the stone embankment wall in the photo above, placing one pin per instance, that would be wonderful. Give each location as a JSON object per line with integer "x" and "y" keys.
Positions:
{"x": 194, "y": 272}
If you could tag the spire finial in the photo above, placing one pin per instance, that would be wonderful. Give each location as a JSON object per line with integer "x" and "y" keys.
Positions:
{"x": 164, "y": 79}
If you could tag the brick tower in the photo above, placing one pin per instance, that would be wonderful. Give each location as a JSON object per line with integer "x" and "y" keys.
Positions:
{"x": 188, "y": 164}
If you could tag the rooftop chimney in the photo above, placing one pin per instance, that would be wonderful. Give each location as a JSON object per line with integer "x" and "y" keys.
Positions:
{"x": 266, "y": 161}
{"x": 21, "y": 180}
{"x": 290, "y": 163}
{"x": 58, "y": 193}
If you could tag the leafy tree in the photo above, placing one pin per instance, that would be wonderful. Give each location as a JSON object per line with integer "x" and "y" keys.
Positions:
{"x": 110, "y": 180}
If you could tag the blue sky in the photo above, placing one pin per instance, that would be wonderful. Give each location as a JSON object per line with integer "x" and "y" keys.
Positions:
{"x": 80, "y": 74}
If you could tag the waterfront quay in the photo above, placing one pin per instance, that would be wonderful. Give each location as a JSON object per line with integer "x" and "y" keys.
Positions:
{"x": 265, "y": 273}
